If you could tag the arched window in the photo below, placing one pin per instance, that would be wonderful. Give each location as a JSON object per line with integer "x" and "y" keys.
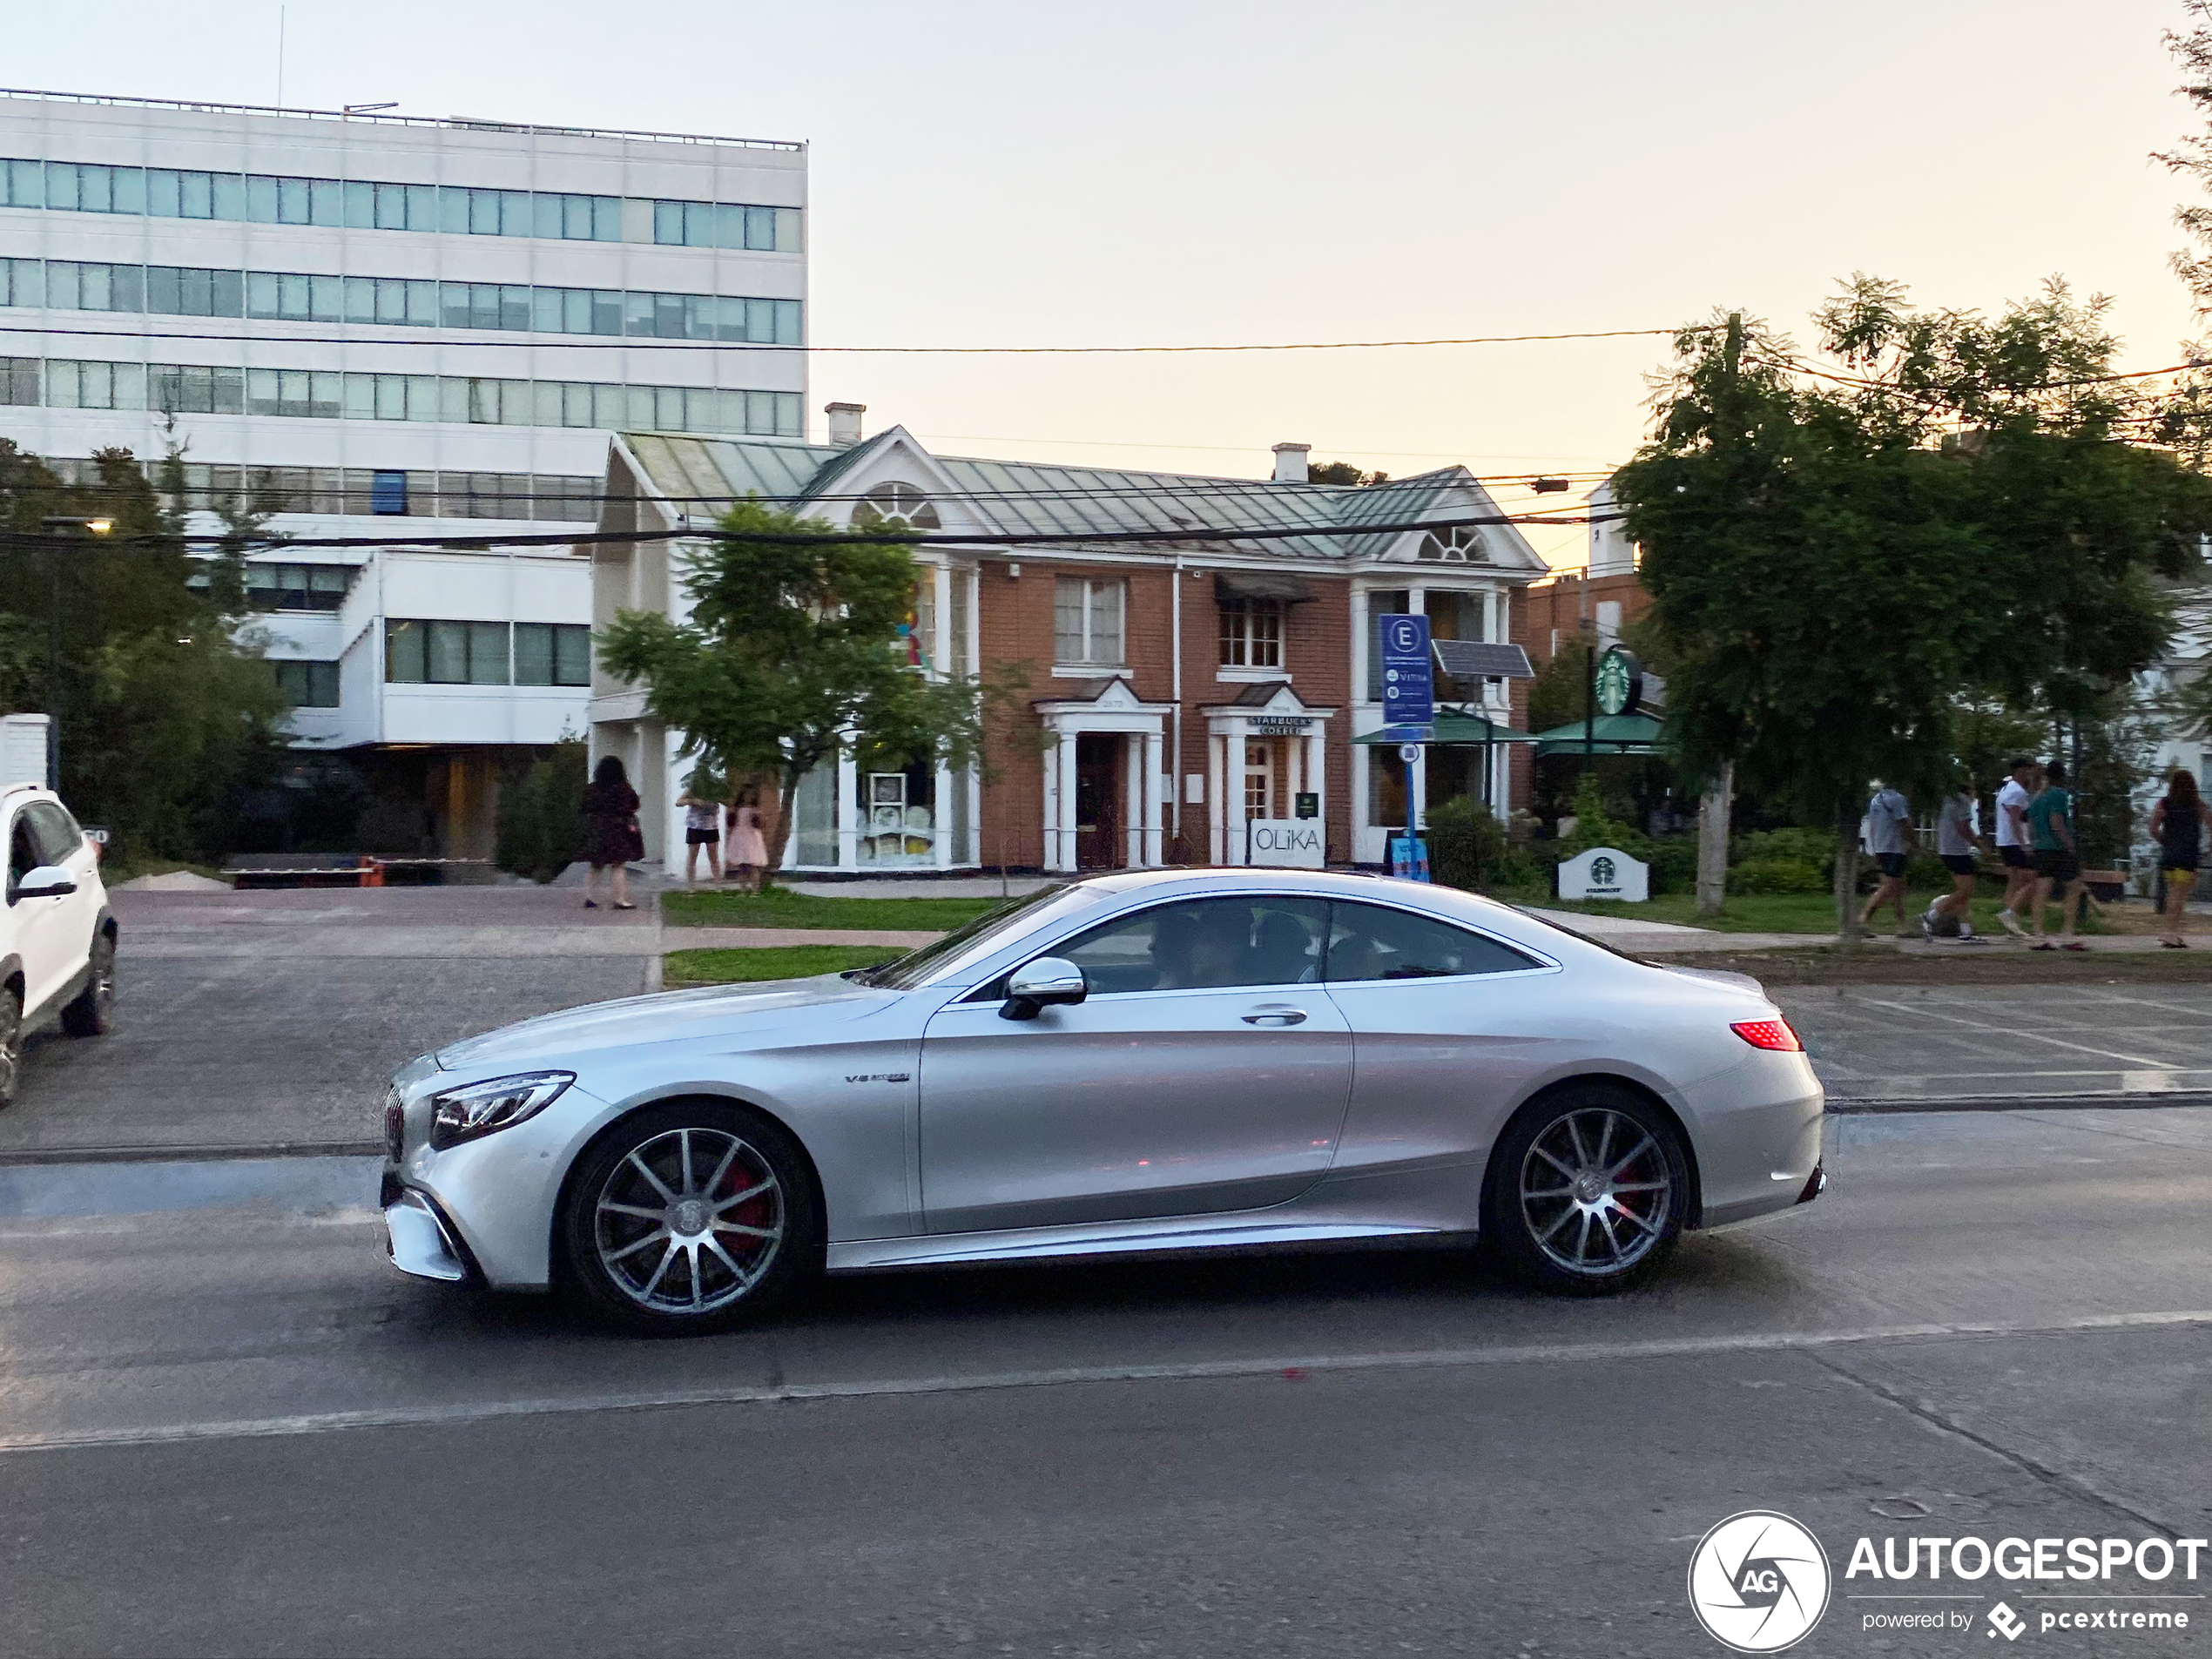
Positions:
{"x": 895, "y": 506}
{"x": 1458, "y": 545}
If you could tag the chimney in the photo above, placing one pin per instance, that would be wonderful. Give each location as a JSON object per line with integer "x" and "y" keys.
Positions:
{"x": 1290, "y": 463}
{"x": 844, "y": 423}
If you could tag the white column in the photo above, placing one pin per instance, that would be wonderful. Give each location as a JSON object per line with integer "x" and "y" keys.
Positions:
{"x": 850, "y": 812}
{"x": 1067, "y": 810}
{"x": 1217, "y": 789}
{"x": 940, "y": 644}
{"x": 941, "y": 817}
{"x": 1316, "y": 773}
{"x": 1363, "y": 624}
{"x": 1152, "y": 761}
{"x": 1233, "y": 792}
{"x": 1049, "y": 844}
{"x": 1132, "y": 800}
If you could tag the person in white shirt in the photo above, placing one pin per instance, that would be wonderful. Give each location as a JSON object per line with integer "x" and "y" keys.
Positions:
{"x": 2015, "y": 842}
{"x": 1956, "y": 829}
{"x": 1889, "y": 833}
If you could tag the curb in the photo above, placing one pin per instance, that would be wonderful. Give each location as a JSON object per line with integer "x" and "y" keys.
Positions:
{"x": 2141, "y": 1101}
{"x": 35, "y": 1156}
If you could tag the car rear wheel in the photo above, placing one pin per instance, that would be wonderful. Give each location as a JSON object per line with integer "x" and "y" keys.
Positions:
{"x": 1586, "y": 1190}
{"x": 690, "y": 1218}
{"x": 92, "y": 1012}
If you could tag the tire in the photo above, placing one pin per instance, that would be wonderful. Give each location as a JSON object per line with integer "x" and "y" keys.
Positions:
{"x": 1586, "y": 1190}
{"x": 92, "y": 1012}
{"x": 11, "y": 1043}
{"x": 653, "y": 1251}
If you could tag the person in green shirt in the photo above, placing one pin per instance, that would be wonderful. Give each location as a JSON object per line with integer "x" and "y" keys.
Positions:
{"x": 2057, "y": 857}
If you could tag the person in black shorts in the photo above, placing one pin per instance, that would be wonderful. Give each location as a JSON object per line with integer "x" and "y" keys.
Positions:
{"x": 1948, "y": 916}
{"x": 2015, "y": 842}
{"x": 2177, "y": 824}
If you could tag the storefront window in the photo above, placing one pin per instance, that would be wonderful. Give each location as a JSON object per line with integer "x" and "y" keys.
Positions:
{"x": 813, "y": 817}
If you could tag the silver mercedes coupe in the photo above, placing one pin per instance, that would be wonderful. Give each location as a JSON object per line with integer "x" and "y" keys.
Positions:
{"x": 1158, "y": 1061}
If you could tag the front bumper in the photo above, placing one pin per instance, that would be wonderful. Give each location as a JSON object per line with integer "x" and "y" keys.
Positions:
{"x": 419, "y": 1241}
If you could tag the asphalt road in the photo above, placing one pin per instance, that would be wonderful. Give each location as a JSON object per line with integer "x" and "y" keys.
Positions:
{"x": 226, "y": 1426}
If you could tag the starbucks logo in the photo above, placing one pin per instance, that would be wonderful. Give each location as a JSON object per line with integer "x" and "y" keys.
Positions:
{"x": 1601, "y": 871}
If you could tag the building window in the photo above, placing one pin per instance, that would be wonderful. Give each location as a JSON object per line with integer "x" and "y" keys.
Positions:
{"x": 552, "y": 653}
{"x": 1458, "y": 545}
{"x": 445, "y": 653}
{"x": 297, "y": 587}
{"x": 895, "y": 506}
{"x": 1251, "y": 634}
{"x": 308, "y": 685}
{"x": 388, "y": 493}
{"x": 1086, "y": 622}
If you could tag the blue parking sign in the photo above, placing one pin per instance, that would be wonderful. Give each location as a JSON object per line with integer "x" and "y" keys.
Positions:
{"x": 1409, "y": 685}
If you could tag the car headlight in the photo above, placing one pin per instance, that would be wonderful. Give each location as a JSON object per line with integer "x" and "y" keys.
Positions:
{"x": 464, "y": 1114}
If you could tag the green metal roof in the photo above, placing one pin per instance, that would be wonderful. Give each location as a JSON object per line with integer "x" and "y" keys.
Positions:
{"x": 1612, "y": 734}
{"x": 1453, "y": 729}
{"x": 1022, "y": 497}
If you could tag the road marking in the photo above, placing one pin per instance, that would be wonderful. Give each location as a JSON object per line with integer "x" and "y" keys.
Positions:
{"x": 455, "y": 1413}
{"x": 2014, "y": 1032}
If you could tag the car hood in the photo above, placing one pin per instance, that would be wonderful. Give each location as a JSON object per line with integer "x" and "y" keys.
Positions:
{"x": 667, "y": 1016}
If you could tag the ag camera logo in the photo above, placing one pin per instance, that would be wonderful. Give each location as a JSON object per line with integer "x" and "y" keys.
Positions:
{"x": 1758, "y": 1581}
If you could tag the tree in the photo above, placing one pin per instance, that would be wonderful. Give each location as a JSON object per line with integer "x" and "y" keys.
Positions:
{"x": 1837, "y": 561}
{"x": 169, "y": 718}
{"x": 792, "y": 654}
{"x": 541, "y": 815}
{"x": 1343, "y": 472}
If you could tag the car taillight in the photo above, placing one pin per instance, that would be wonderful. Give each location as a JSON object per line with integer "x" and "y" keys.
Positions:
{"x": 1769, "y": 1034}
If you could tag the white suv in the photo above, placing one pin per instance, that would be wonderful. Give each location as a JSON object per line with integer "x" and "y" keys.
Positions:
{"x": 57, "y": 933}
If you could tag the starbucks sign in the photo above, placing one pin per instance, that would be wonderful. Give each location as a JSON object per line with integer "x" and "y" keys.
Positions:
{"x": 1620, "y": 681}
{"x": 1605, "y": 872}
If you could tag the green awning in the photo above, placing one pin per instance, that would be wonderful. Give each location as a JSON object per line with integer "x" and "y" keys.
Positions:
{"x": 1611, "y": 734}
{"x": 1452, "y": 728}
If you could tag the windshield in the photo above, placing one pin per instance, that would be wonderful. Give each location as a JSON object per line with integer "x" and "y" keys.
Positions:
{"x": 915, "y": 966}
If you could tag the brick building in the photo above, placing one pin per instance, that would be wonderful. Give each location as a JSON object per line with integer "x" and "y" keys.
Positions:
{"x": 1175, "y": 689}
{"x": 1604, "y": 596}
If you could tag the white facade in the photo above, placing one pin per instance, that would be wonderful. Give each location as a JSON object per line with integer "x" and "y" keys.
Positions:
{"x": 394, "y": 322}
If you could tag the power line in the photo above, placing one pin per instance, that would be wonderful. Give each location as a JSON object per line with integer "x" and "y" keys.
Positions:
{"x": 634, "y": 343}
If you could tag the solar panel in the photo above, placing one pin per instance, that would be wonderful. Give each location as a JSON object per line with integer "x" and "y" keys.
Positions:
{"x": 1469, "y": 659}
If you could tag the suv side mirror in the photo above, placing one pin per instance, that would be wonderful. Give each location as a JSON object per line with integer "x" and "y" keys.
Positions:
{"x": 46, "y": 881}
{"x": 1049, "y": 982}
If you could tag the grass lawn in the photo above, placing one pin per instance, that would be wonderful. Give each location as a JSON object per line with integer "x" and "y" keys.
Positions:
{"x": 1803, "y": 913}
{"x": 784, "y": 961}
{"x": 780, "y": 908}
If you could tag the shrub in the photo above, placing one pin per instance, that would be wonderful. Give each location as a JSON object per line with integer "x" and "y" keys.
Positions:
{"x": 1777, "y": 875}
{"x": 1464, "y": 843}
{"x": 541, "y": 815}
{"x": 1792, "y": 846}
{"x": 1674, "y": 864}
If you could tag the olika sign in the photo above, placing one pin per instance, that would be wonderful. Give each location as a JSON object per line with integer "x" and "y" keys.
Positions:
{"x": 1605, "y": 872}
{"x": 1297, "y": 841}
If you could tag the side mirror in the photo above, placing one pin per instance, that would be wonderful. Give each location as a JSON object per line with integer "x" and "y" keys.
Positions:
{"x": 46, "y": 881}
{"x": 1048, "y": 982}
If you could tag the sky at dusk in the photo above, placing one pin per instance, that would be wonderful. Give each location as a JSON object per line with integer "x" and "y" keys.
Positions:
{"x": 1207, "y": 172}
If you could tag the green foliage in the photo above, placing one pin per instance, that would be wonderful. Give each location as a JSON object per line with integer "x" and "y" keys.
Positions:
{"x": 168, "y": 722}
{"x": 1561, "y": 688}
{"x": 1674, "y": 863}
{"x": 791, "y": 653}
{"x": 1464, "y": 843}
{"x": 1830, "y": 572}
{"x": 1767, "y": 875}
{"x": 1811, "y": 847}
{"x": 780, "y": 908}
{"x": 1343, "y": 473}
{"x": 541, "y": 815}
{"x": 1592, "y": 827}
{"x": 771, "y": 963}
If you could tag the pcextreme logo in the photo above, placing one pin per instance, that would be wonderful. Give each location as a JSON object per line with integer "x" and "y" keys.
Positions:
{"x": 1758, "y": 1581}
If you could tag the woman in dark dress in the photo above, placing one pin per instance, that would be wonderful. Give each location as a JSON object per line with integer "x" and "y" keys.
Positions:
{"x": 2177, "y": 824}
{"x": 610, "y": 835}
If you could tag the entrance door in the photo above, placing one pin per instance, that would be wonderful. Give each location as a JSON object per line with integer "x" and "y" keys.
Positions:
{"x": 1098, "y": 819}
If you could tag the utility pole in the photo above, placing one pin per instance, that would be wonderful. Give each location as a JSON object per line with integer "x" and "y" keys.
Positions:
{"x": 54, "y": 527}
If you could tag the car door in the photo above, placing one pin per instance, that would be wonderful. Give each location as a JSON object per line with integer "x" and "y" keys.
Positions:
{"x": 1448, "y": 1024}
{"x": 62, "y": 843}
{"x": 40, "y": 927}
{"x": 1207, "y": 1070}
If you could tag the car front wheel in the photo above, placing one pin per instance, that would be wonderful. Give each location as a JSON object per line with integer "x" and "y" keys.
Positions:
{"x": 92, "y": 1013}
{"x": 1586, "y": 1190}
{"x": 11, "y": 1045}
{"x": 690, "y": 1218}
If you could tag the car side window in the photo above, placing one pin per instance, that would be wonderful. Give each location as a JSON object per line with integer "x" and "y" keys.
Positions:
{"x": 24, "y": 856}
{"x": 55, "y": 831}
{"x": 1205, "y": 944}
{"x": 1369, "y": 941}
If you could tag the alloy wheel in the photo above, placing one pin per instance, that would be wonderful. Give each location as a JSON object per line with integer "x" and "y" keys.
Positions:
{"x": 1596, "y": 1191}
{"x": 11, "y": 1045}
{"x": 689, "y": 1221}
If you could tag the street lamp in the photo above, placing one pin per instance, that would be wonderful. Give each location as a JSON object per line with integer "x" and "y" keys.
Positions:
{"x": 55, "y": 526}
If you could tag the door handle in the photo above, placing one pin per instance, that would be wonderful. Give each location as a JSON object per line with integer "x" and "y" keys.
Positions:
{"x": 1276, "y": 1014}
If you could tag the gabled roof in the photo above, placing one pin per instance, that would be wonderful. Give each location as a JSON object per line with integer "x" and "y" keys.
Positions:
{"x": 1024, "y": 498}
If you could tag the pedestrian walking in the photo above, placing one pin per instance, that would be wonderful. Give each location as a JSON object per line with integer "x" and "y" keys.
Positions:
{"x": 1889, "y": 831}
{"x": 702, "y": 803}
{"x": 748, "y": 847}
{"x": 612, "y": 836}
{"x": 1950, "y": 915}
{"x": 2057, "y": 857}
{"x": 2177, "y": 824}
{"x": 2015, "y": 842}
